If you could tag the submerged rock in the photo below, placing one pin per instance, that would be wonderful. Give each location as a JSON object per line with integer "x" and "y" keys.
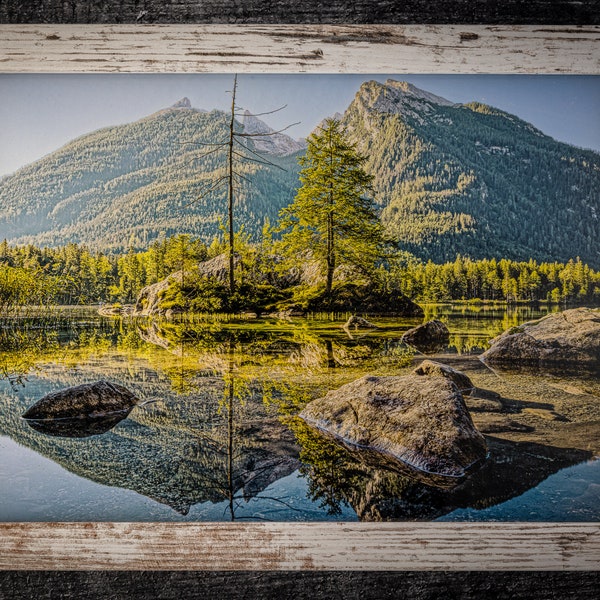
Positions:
{"x": 429, "y": 336}
{"x": 565, "y": 337}
{"x": 432, "y": 368}
{"x": 421, "y": 421}
{"x": 358, "y": 323}
{"x": 83, "y": 401}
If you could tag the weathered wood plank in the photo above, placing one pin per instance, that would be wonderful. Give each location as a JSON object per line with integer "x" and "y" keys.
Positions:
{"x": 300, "y": 546}
{"x": 299, "y": 585}
{"x": 305, "y": 49}
{"x": 306, "y": 11}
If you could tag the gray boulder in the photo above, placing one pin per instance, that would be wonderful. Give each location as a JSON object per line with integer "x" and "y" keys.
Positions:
{"x": 421, "y": 421}
{"x": 148, "y": 300}
{"x": 571, "y": 336}
{"x": 83, "y": 401}
{"x": 428, "y": 336}
{"x": 431, "y": 368}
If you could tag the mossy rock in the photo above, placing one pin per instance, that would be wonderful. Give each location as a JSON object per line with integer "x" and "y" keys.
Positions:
{"x": 421, "y": 421}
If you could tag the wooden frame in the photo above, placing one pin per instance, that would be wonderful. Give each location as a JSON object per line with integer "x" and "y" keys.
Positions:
{"x": 317, "y": 49}
{"x": 390, "y": 49}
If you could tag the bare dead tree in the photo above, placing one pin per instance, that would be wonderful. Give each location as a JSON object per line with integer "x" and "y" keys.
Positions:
{"x": 237, "y": 151}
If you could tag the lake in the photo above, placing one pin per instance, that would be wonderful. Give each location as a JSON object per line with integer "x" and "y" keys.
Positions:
{"x": 216, "y": 436}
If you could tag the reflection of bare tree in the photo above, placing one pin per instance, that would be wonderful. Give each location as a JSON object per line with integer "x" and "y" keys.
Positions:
{"x": 248, "y": 474}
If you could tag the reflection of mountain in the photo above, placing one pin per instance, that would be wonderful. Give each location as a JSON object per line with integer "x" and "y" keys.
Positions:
{"x": 380, "y": 493}
{"x": 178, "y": 451}
{"x": 209, "y": 438}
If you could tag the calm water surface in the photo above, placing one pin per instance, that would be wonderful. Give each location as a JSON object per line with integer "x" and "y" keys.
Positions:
{"x": 217, "y": 437}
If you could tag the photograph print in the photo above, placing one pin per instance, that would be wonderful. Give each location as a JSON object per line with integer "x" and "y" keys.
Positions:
{"x": 299, "y": 298}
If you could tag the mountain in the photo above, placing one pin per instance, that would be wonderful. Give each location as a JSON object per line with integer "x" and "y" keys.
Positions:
{"x": 268, "y": 140}
{"x": 448, "y": 178}
{"x": 128, "y": 184}
{"x": 473, "y": 179}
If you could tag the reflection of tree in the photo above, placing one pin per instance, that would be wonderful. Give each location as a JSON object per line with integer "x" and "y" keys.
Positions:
{"x": 325, "y": 463}
{"x": 24, "y": 349}
{"x": 213, "y": 434}
{"x": 380, "y": 490}
{"x": 20, "y": 351}
{"x": 248, "y": 465}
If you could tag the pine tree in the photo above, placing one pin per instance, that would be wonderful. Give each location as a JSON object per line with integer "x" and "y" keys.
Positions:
{"x": 332, "y": 219}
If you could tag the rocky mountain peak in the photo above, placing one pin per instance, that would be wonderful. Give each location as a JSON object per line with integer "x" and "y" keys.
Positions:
{"x": 253, "y": 124}
{"x": 408, "y": 89}
{"x": 183, "y": 103}
{"x": 278, "y": 144}
{"x": 397, "y": 97}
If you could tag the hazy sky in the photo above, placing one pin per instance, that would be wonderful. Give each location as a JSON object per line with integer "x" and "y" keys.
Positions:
{"x": 40, "y": 113}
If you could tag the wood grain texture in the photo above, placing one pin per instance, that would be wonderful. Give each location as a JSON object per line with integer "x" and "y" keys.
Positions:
{"x": 305, "y": 49}
{"x": 19, "y": 542}
{"x": 306, "y": 11}
{"x": 300, "y": 546}
{"x": 411, "y": 585}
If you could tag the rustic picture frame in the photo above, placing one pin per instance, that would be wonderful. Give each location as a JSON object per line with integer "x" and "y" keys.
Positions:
{"x": 308, "y": 49}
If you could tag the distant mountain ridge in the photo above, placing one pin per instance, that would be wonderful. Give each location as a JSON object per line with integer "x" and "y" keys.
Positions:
{"x": 448, "y": 178}
{"x": 127, "y": 185}
{"x": 472, "y": 179}
{"x": 269, "y": 140}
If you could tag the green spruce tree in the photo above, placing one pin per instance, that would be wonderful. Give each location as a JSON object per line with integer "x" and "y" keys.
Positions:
{"x": 333, "y": 219}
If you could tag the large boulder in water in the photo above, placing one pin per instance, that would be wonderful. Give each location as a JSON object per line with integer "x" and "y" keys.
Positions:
{"x": 421, "y": 421}
{"x": 89, "y": 400}
{"x": 571, "y": 336}
{"x": 428, "y": 337}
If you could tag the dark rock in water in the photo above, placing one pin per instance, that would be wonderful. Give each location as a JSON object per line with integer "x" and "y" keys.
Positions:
{"x": 428, "y": 337}
{"x": 83, "y": 401}
{"x": 355, "y": 322}
{"x": 422, "y": 421}
{"x": 571, "y": 336}
{"x": 431, "y": 368}
{"x": 78, "y": 427}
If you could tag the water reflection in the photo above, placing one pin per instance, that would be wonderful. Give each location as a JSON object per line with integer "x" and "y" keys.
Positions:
{"x": 78, "y": 427}
{"x": 220, "y": 427}
{"x": 382, "y": 491}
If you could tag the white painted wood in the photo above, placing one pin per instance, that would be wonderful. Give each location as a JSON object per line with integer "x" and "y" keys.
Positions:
{"x": 300, "y": 546}
{"x": 394, "y": 49}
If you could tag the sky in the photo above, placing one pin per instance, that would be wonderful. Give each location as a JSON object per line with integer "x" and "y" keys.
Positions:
{"x": 41, "y": 112}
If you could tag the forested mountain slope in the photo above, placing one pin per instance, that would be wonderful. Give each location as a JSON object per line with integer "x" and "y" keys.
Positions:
{"x": 448, "y": 178}
{"x": 474, "y": 180}
{"x": 126, "y": 185}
